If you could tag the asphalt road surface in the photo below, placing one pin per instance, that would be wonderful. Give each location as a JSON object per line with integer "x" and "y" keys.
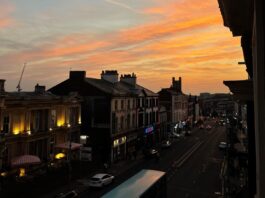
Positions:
{"x": 193, "y": 165}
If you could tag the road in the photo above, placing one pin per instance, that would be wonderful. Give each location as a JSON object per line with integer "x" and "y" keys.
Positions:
{"x": 192, "y": 164}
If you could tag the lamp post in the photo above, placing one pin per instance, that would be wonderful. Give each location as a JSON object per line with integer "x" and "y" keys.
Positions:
{"x": 3, "y": 148}
{"x": 69, "y": 158}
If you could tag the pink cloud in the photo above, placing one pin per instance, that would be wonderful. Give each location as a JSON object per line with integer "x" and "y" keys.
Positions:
{"x": 5, "y": 11}
{"x": 186, "y": 41}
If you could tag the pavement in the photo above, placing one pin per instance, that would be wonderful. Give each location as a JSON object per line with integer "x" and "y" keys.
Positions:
{"x": 115, "y": 169}
{"x": 53, "y": 183}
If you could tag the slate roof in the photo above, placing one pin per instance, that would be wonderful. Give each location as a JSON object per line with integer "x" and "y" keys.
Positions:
{"x": 137, "y": 89}
{"x": 30, "y": 95}
{"x": 108, "y": 87}
{"x": 119, "y": 88}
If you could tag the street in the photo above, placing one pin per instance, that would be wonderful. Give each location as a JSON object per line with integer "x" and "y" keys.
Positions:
{"x": 192, "y": 164}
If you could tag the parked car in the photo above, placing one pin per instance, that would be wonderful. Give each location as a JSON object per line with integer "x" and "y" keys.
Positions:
{"x": 100, "y": 180}
{"x": 174, "y": 135}
{"x": 70, "y": 194}
{"x": 208, "y": 127}
{"x": 222, "y": 145}
{"x": 201, "y": 126}
{"x": 165, "y": 144}
{"x": 187, "y": 132}
{"x": 151, "y": 153}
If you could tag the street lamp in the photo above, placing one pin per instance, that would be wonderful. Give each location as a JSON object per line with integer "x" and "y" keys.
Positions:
{"x": 69, "y": 158}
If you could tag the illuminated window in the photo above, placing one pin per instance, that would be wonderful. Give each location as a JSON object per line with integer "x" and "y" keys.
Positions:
{"x": 53, "y": 118}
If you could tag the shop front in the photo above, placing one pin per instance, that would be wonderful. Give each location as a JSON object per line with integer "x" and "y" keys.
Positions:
{"x": 131, "y": 145}
{"x": 149, "y": 136}
{"x": 119, "y": 149}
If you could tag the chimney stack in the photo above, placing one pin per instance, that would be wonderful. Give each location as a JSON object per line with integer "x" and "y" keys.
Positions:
{"x": 77, "y": 75}
{"x": 39, "y": 89}
{"x": 110, "y": 76}
{"x": 129, "y": 78}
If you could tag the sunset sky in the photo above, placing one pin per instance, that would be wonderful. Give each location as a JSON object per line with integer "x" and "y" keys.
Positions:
{"x": 156, "y": 39}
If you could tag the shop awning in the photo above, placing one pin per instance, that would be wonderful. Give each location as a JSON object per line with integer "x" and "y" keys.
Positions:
{"x": 68, "y": 145}
{"x": 25, "y": 160}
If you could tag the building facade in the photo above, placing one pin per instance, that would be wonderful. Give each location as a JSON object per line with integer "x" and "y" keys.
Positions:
{"x": 38, "y": 124}
{"x": 245, "y": 19}
{"x": 175, "y": 102}
{"x": 115, "y": 112}
{"x": 219, "y": 104}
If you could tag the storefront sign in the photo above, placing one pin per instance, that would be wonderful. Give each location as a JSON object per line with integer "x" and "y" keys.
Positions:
{"x": 131, "y": 137}
{"x": 86, "y": 153}
{"x": 119, "y": 141}
{"x": 83, "y": 139}
{"x": 149, "y": 129}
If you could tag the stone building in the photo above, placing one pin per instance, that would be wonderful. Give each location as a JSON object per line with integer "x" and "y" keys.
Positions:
{"x": 115, "y": 112}
{"x": 38, "y": 124}
{"x": 175, "y": 102}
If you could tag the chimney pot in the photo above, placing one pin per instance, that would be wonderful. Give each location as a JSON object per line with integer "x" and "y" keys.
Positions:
{"x": 110, "y": 76}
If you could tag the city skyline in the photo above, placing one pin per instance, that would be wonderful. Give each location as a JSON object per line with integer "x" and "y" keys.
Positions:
{"x": 157, "y": 40}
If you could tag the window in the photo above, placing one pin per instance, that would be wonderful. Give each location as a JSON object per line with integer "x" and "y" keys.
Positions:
{"x": 6, "y": 125}
{"x": 36, "y": 122}
{"x": 122, "y": 104}
{"x": 138, "y": 102}
{"x": 39, "y": 121}
{"x": 52, "y": 142}
{"x": 141, "y": 119}
{"x": 105, "y": 177}
{"x": 73, "y": 116}
{"x": 146, "y": 119}
{"x": 122, "y": 122}
{"x": 128, "y": 120}
{"x": 114, "y": 122}
{"x": 133, "y": 120}
{"x": 147, "y": 103}
{"x": 116, "y": 105}
{"x": 53, "y": 118}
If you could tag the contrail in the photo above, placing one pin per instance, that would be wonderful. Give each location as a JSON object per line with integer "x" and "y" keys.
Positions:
{"x": 121, "y": 5}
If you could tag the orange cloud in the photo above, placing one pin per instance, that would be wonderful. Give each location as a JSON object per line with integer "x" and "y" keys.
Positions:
{"x": 187, "y": 40}
{"x": 5, "y": 23}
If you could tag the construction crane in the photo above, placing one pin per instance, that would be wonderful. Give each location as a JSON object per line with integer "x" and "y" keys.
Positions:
{"x": 18, "y": 86}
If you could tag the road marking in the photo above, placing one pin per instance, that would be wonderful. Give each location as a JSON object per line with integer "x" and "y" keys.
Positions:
{"x": 177, "y": 164}
{"x": 187, "y": 155}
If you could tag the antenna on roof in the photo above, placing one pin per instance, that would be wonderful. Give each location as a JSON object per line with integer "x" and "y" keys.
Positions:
{"x": 18, "y": 86}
